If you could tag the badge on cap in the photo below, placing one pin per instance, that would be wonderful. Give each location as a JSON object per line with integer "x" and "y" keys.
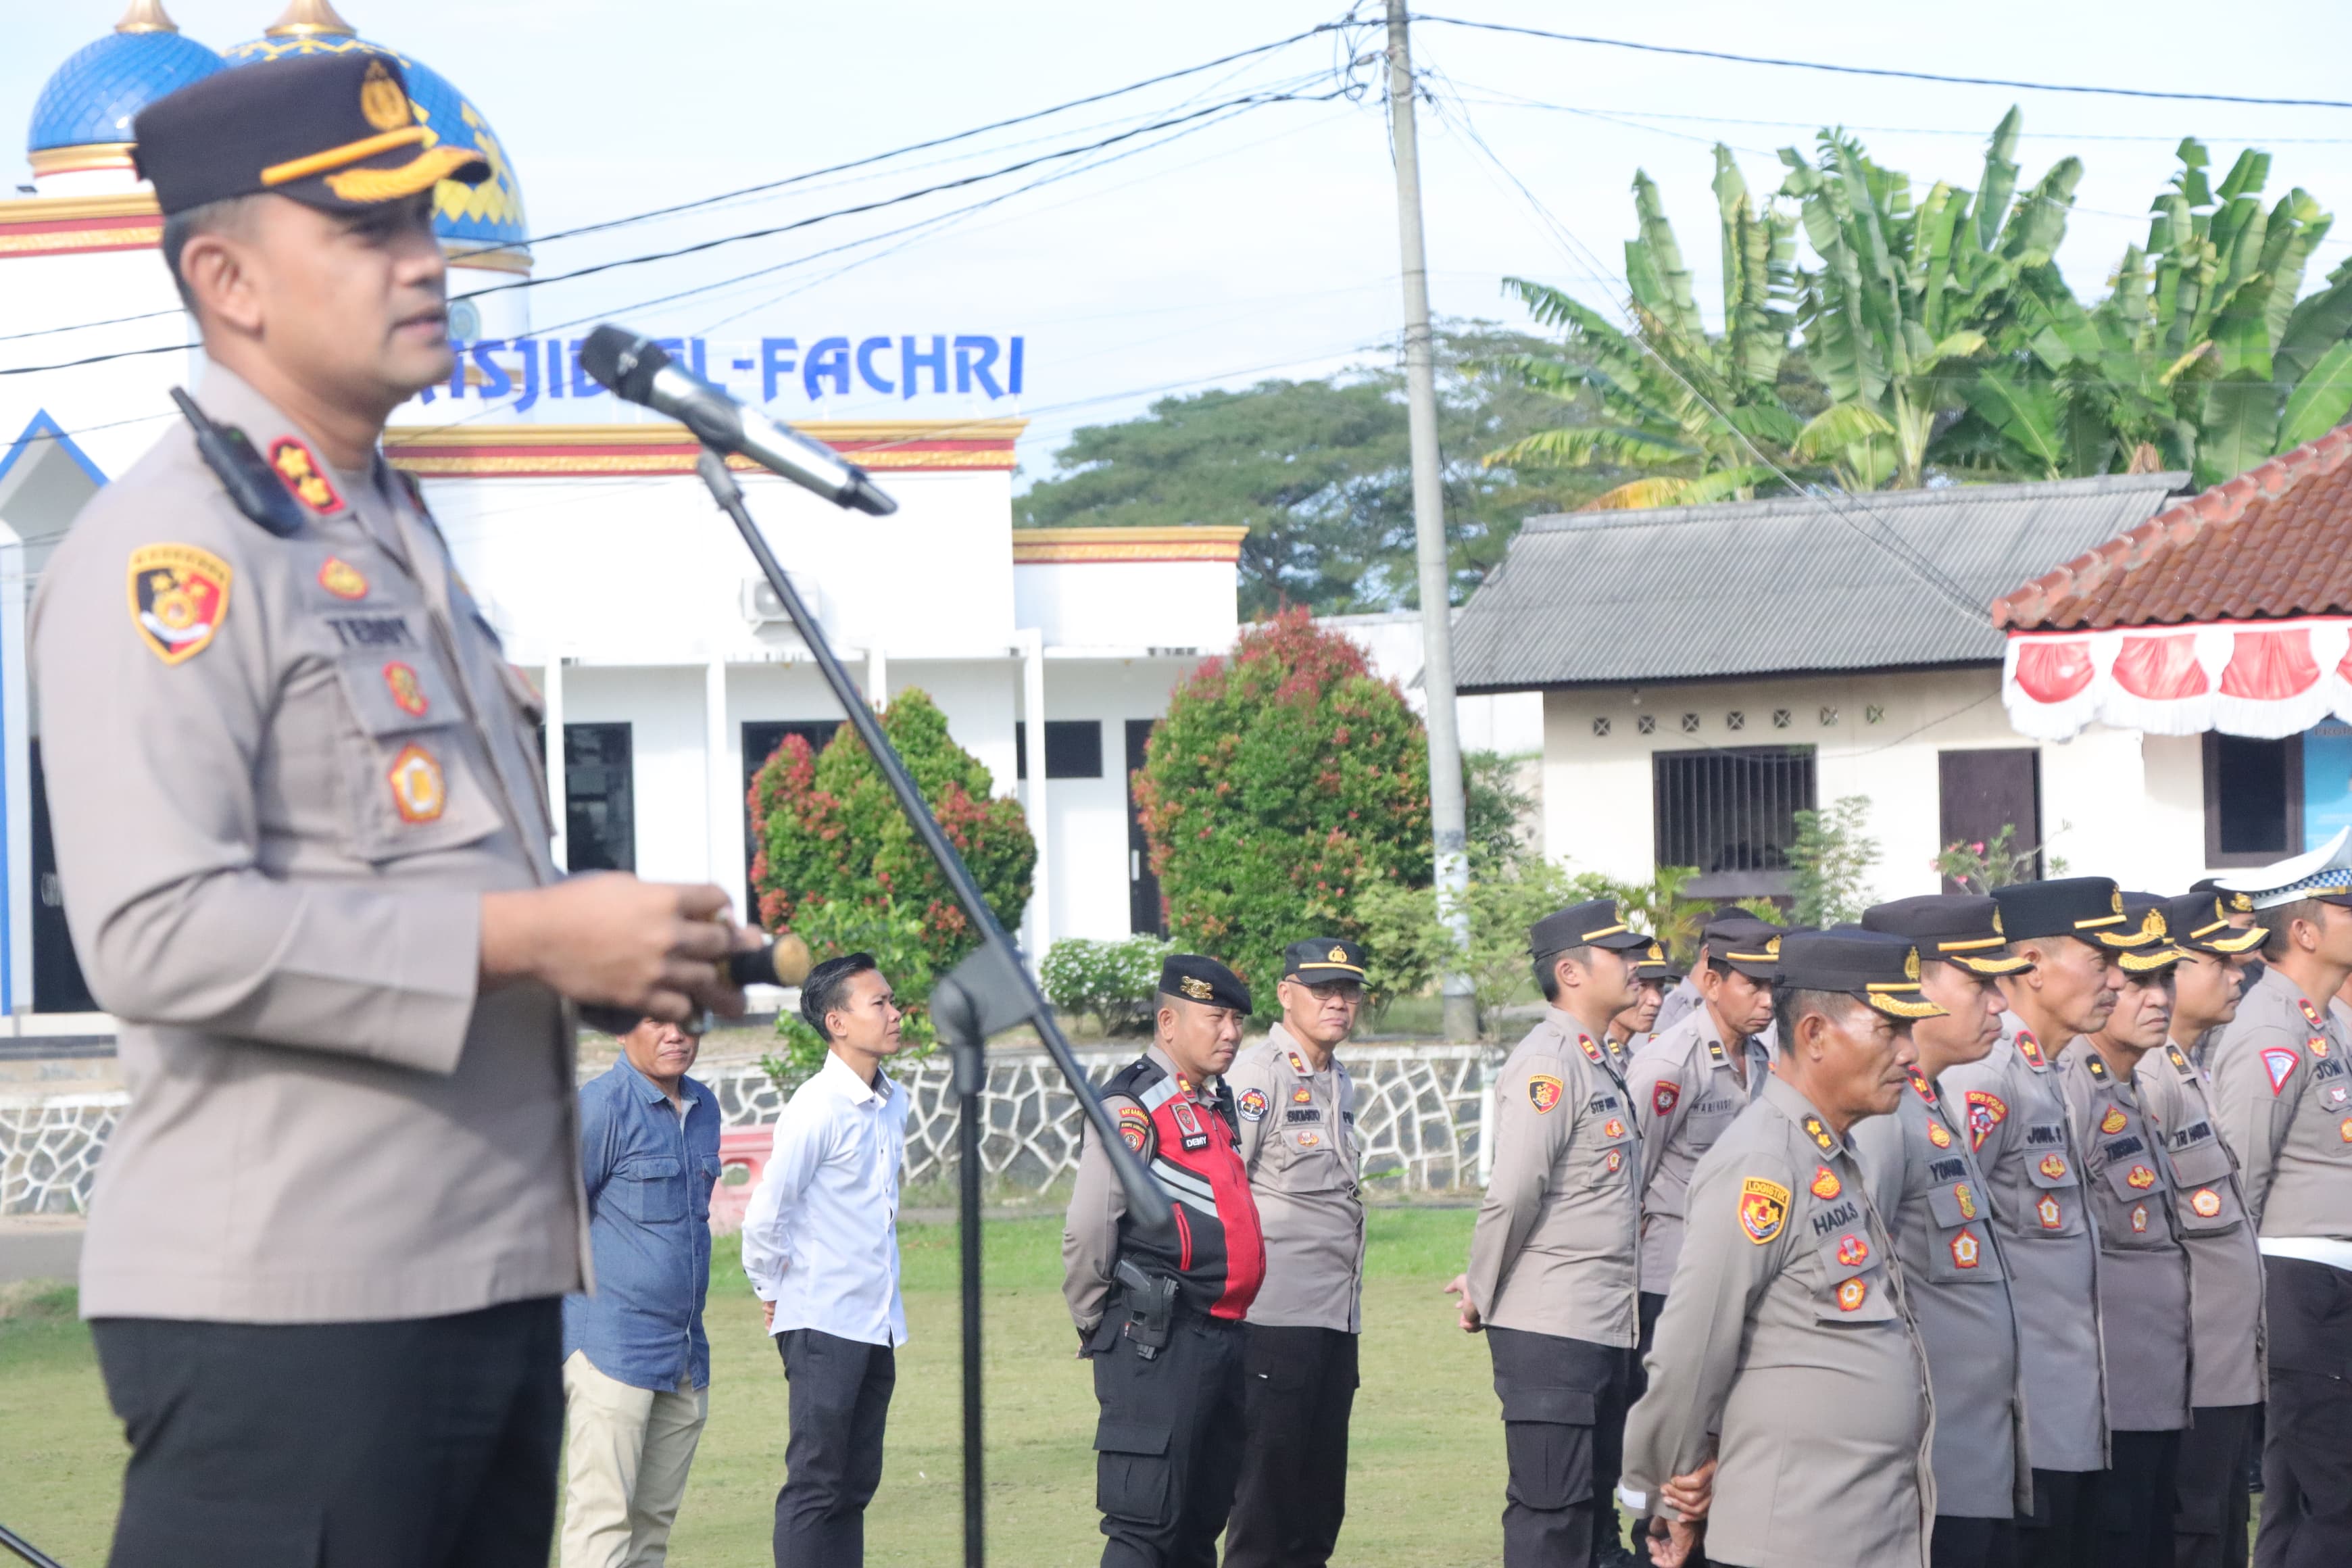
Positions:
{"x": 1825, "y": 1182}
{"x": 1198, "y": 989}
{"x": 1543, "y": 1092}
{"x": 1252, "y": 1105}
{"x": 304, "y": 476}
{"x": 341, "y": 578}
{"x": 1763, "y": 1208}
{"x": 381, "y": 102}
{"x": 179, "y": 596}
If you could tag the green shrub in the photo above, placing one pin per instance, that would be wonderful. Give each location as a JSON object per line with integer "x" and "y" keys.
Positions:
{"x": 1285, "y": 780}
{"x": 837, "y": 862}
{"x": 1117, "y": 982}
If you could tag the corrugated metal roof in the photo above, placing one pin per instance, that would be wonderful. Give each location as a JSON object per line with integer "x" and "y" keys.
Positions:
{"x": 2274, "y": 541}
{"x": 1784, "y": 586}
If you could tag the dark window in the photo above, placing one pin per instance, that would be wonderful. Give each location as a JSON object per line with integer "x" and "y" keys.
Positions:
{"x": 1731, "y": 813}
{"x": 57, "y": 983}
{"x": 1982, "y": 792}
{"x": 2253, "y": 799}
{"x": 761, "y": 739}
{"x": 600, "y": 813}
{"x": 1144, "y": 914}
{"x": 1073, "y": 749}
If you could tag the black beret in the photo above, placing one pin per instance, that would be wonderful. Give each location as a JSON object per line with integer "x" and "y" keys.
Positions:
{"x": 2089, "y": 908}
{"x": 2199, "y": 922}
{"x": 334, "y": 132}
{"x": 1741, "y": 941}
{"x": 1961, "y": 929}
{"x": 1596, "y": 923}
{"x": 1199, "y": 979}
{"x": 1318, "y": 959}
{"x": 1881, "y": 968}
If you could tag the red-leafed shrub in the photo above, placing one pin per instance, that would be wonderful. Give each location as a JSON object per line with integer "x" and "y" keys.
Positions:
{"x": 1285, "y": 779}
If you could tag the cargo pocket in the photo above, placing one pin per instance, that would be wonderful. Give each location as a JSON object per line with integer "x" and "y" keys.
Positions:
{"x": 1131, "y": 1477}
{"x": 651, "y": 1188}
{"x": 2207, "y": 1200}
{"x": 1548, "y": 1438}
{"x": 410, "y": 784}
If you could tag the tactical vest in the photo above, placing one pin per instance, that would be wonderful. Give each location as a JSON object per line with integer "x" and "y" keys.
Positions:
{"x": 1215, "y": 1249}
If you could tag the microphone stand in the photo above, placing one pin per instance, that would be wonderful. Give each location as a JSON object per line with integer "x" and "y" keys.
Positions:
{"x": 985, "y": 994}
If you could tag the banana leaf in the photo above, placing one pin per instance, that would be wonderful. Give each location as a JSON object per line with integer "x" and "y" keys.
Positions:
{"x": 2321, "y": 399}
{"x": 2237, "y": 427}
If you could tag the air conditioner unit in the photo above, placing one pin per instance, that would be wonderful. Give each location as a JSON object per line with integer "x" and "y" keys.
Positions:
{"x": 762, "y": 607}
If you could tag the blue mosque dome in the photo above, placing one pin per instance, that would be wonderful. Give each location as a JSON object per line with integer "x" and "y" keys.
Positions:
{"x": 487, "y": 217}
{"x": 90, "y": 100}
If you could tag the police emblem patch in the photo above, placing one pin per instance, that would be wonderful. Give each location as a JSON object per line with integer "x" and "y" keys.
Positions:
{"x": 2053, "y": 1166}
{"x": 179, "y": 596}
{"x": 304, "y": 476}
{"x": 1134, "y": 1127}
{"x": 2139, "y": 1178}
{"x": 2047, "y": 1211}
{"x": 1252, "y": 1105}
{"x": 1338, "y": 955}
{"x": 2139, "y": 1217}
{"x": 341, "y": 578}
{"x": 2206, "y": 1202}
{"x": 1937, "y": 1136}
{"x": 2343, "y": 1129}
{"x": 1612, "y": 1128}
{"x": 1986, "y": 1110}
{"x": 1309, "y": 1140}
{"x": 1543, "y": 1092}
{"x": 1852, "y": 1252}
{"x": 1966, "y": 1199}
{"x": 408, "y": 691}
{"x": 418, "y": 792}
{"x": 2113, "y": 1121}
{"x": 1302, "y": 1095}
{"x": 1188, "y": 1123}
{"x": 2279, "y": 1063}
{"x": 1965, "y": 1249}
{"x": 1198, "y": 989}
{"x": 1663, "y": 1098}
{"x": 1825, "y": 1182}
{"x": 1763, "y": 1208}
{"x": 1615, "y": 1162}
{"x": 381, "y": 102}
{"x": 2316, "y": 1045}
{"x": 1851, "y": 1295}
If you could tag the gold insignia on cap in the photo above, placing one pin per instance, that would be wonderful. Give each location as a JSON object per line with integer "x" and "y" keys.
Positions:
{"x": 1198, "y": 989}
{"x": 2241, "y": 903}
{"x": 2117, "y": 897}
{"x": 1772, "y": 948}
{"x": 1996, "y": 924}
{"x": 382, "y": 101}
{"x": 1338, "y": 955}
{"x": 1911, "y": 964}
{"x": 1655, "y": 955}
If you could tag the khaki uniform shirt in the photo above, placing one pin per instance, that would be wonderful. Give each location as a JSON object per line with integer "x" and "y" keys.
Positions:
{"x": 2018, "y": 1128}
{"x": 2284, "y": 1097}
{"x": 2143, "y": 1271}
{"x": 2225, "y": 1270}
{"x": 1788, "y": 1351}
{"x": 1299, "y": 1144}
{"x": 1685, "y": 1087}
{"x": 1926, "y": 1185}
{"x": 281, "y": 777}
{"x": 1554, "y": 1247}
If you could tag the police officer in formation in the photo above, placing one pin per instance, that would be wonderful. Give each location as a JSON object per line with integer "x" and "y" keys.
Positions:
{"x": 1634, "y": 1027}
{"x": 1551, "y": 1279}
{"x": 2284, "y": 1099}
{"x": 1297, "y": 1144}
{"x": 1926, "y": 1186}
{"x": 1158, "y": 1309}
{"x": 1788, "y": 1417}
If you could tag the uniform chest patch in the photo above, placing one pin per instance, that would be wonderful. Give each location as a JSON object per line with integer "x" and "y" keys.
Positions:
{"x": 2113, "y": 1121}
{"x": 1763, "y": 1208}
{"x": 2206, "y": 1202}
{"x": 1966, "y": 1249}
{"x": 418, "y": 790}
{"x": 1252, "y": 1105}
{"x": 1663, "y": 1098}
{"x": 1543, "y": 1092}
{"x": 1302, "y": 1095}
{"x": 408, "y": 691}
{"x": 1135, "y": 1127}
{"x": 1937, "y": 1136}
{"x": 1612, "y": 1128}
{"x": 1615, "y": 1162}
{"x": 1966, "y": 1199}
{"x": 304, "y": 476}
{"x": 1825, "y": 1182}
{"x": 1188, "y": 1123}
{"x": 1851, "y": 1294}
{"x": 2279, "y": 1063}
{"x": 2053, "y": 1166}
{"x": 179, "y": 596}
{"x": 1309, "y": 1140}
{"x": 2139, "y": 1218}
{"x": 2317, "y": 1046}
{"x": 2139, "y": 1178}
{"x": 2049, "y": 1214}
{"x": 341, "y": 578}
{"x": 2343, "y": 1129}
{"x": 1986, "y": 1110}
{"x": 1853, "y": 1251}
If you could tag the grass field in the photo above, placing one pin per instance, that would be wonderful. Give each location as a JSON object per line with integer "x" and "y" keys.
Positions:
{"x": 1425, "y": 1472}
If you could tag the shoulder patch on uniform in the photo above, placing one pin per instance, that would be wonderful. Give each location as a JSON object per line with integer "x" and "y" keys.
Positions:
{"x": 1135, "y": 1127}
{"x": 1664, "y": 1096}
{"x": 1591, "y": 1051}
{"x": 2031, "y": 1049}
{"x": 2279, "y": 1063}
{"x": 1986, "y": 1110}
{"x": 1253, "y": 1105}
{"x": 1543, "y": 1092}
{"x": 305, "y": 476}
{"x": 1763, "y": 1208}
{"x": 179, "y": 596}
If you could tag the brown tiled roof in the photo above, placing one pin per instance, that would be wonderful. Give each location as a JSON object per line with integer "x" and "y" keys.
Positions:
{"x": 2275, "y": 540}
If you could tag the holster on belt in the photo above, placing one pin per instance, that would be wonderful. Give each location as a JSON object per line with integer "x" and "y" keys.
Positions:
{"x": 1150, "y": 1302}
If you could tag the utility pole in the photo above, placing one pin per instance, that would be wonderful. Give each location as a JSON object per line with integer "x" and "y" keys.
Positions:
{"x": 1446, "y": 812}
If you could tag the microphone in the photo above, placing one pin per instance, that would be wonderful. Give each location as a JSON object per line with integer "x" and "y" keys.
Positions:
{"x": 784, "y": 962}
{"x": 639, "y": 371}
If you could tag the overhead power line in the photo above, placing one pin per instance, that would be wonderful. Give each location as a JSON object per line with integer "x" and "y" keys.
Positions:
{"x": 1881, "y": 70}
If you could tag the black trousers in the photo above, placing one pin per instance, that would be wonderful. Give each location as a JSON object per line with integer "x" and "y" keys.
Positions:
{"x": 839, "y": 1402}
{"x": 418, "y": 1443}
{"x": 2209, "y": 1525}
{"x": 1553, "y": 1391}
{"x": 2064, "y": 1530}
{"x": 1168, "y": 1445}
{"x": 1960, "y": 1542}
{"x": 1292, "y": 1492}
{"x": 2308, "y": 1444}
{"x": 2137, "y": 1499}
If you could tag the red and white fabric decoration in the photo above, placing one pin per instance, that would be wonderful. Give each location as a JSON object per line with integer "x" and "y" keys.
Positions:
{"x": 2265, "y": 678}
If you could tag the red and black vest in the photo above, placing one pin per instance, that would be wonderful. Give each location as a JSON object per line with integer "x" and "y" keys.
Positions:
{"x": 1216, "y": 1251}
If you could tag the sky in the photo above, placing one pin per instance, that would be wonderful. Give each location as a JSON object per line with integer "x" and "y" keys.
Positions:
{"x": 1251, "y": 241}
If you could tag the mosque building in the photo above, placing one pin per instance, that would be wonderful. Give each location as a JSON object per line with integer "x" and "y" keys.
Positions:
{"x": 668, "y": 669}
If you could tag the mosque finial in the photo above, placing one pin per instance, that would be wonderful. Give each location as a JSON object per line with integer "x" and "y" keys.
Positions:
{"x": 145, "y": 16}
{"x": 312, "y": 19}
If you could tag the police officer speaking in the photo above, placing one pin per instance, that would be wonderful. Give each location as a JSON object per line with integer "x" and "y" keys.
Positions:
{"x": 1299, "y": 1144}
{"x": 304, "y": 847}
{"x": 1159, "y": 1313}
{"x": 1550, "y": 1279}
{"x": 1788, "y": 1419}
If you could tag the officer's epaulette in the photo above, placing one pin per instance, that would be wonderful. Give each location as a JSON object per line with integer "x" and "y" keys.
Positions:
{"x": 1821, "y": 1135}
{"x": 2180, "y": 1061}
{"x": 1715, "y": 1052}
{"x": 2031, "y": 1049}
{"x": 1591, "y": 1051}
{"x": 1921, "y": 1087}
{"x": 2094, "y": 1067}
{"x": 253, "y": 486}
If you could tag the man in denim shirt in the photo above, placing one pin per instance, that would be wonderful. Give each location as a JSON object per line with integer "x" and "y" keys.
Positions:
{"x": 636, "y": 1368}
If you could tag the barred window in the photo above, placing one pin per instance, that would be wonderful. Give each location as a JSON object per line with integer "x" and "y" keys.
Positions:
{"x": 1732, "y": 809}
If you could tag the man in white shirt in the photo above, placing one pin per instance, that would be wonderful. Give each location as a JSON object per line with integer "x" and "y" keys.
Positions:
{"x": 821, "y": 1246}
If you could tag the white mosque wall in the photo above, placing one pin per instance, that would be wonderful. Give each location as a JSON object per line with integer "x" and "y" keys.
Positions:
{"x": 1129, "y": 604}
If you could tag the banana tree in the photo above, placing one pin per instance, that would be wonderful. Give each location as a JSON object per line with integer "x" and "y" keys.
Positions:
{"x": 1907, "y": 298}
{"x": 1699, "y": 413}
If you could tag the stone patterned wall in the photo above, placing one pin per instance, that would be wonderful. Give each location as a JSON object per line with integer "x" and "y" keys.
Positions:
{"x": 1417, "y": 1116}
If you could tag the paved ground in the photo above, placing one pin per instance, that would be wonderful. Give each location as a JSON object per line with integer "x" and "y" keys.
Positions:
{"x": 39, "y": 1248}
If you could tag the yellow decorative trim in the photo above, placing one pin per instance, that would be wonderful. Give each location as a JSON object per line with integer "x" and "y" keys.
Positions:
{"x": 1051, "y": 546}
{"x": 60, "y": 240}
{"x": 834, "y": 432}
{"x": 556, "y": 465}
{"x": 1976, "y": 945}
{"x": 509, "y": 259}
{"x": 349, "y": 152}
{"x": 75, "y": 160}
{"x": 65, "y": 209}
{"x": 428, "y": 168}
